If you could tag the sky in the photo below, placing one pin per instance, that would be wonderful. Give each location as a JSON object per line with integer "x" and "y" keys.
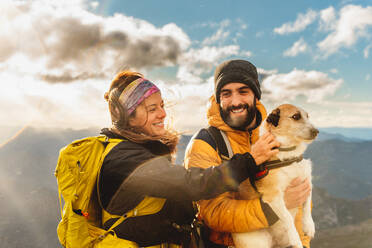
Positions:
{"x": 57, "y": 58}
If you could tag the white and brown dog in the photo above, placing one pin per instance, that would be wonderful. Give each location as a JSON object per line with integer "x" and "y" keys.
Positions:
{"x": 291, "y": 127}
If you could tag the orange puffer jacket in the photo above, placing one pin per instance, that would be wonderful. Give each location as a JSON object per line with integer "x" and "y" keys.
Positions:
{"x": 226, "y": 213}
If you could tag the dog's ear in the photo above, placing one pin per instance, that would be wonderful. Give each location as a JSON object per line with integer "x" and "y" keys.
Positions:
{"x": 274, "y": 117}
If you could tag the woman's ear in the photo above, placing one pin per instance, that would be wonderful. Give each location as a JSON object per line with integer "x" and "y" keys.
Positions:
{"x": 135, "y": 119}
{"x": 131, "y": 121}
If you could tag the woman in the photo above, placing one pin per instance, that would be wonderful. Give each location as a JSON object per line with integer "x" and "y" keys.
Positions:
{"x": 137, "y": 179}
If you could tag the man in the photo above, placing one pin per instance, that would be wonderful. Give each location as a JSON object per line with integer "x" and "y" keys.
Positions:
{"x": 236, "y": 110}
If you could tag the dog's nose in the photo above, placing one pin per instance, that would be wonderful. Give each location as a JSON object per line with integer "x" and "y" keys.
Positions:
{"x": 314, "y": 132}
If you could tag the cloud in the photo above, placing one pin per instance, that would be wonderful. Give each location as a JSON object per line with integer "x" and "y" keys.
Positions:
{"x": 302, "y": 21}
{"x": 246, "y": 53}
{"x": 366, "y": 51}
{"x": 94, "y": 4}
{"x": 263, "y": 74}
{"x": 368, "y": 77}
{"x": 327, "y": 19}
{"x": 343, "y": 28}
{"x": 314, "y": 86}
{"x": 28, "y": 100}
{"x": 352, "y": 24}
{"x": 199, "y": 62}
{"x": 220, "y": 35}
{"x": 226, "y": 32}
{"x": 343, "y": 114}
{"x": 259, "y": 34}
{"x": 298, "y": 47}
{"x": 67, "y": 42}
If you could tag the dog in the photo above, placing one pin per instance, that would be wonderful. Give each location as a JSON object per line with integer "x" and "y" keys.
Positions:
{"x": 292, "y": 128}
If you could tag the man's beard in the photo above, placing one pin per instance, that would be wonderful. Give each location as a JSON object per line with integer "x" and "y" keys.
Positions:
{"x": 239, "y": 122}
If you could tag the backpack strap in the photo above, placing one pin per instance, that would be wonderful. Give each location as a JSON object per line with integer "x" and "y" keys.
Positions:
{"x": 108, "y": 144}
{"x": 222, "y": 142}
{"x": 110, "y": 230}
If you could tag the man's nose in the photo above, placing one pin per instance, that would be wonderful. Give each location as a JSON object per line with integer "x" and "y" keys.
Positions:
{"x": 236, "y": 99}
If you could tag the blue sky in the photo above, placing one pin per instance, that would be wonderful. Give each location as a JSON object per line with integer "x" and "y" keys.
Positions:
{"x": 260, "y": 19}
{"x": 59, "y": 62}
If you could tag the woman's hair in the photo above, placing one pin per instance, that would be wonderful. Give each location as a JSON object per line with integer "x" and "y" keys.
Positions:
{"x": 120, "y": 116}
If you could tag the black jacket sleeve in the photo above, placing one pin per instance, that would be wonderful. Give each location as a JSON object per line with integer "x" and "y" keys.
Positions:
{"x": 158, "y": 177}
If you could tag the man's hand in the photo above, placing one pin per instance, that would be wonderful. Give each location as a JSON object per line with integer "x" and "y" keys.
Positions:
{"x": 297, "y": 192}
{"x": 263, "y": 150}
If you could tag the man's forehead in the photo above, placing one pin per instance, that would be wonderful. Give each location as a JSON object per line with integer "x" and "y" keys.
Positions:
{"x": 234, "y": 86}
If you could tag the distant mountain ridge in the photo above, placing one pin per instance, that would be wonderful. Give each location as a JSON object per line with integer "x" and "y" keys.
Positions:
{"x": 353, "y": 133}
{"x": 343, "y": 168}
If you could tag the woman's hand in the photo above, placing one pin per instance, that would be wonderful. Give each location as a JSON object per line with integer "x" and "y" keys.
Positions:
{"x": 297, "y": 192}
{"x": 263, "y": 150}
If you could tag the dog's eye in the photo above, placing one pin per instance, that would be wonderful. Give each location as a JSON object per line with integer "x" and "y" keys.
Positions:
{"x": 296, "y": 117}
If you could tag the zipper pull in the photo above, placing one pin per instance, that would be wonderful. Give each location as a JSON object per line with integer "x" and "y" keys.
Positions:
{"x": 250, "y": 137}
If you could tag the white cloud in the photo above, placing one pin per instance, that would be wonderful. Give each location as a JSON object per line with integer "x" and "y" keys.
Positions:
{"x": 226, "y": 32}
{"x": 334, "y": 70}
{"x": 368, "y": 77}
{"x": 313, "y": 85}
{"x": 66, "y": 42}
{"x": 31, "y": 101}
{"x": 220, "y": 35}
{"x": 94, "y": 4}
{"x": 343, "y": 114}
{"x": 353, "y": 24}
{"x": 298, "y": 47}
{"x": 259, "y": 34}
{"x": 366, "y": 51}
{"x": 302, "y": 21}
{"x": 246, "y": 53}
{"x": 344, "y": 27}
{"x": 197, "y": 62}
{"x": 327, "y": 19}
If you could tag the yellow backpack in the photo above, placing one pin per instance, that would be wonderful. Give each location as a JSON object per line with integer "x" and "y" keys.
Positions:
{"x": 78, "y": 166}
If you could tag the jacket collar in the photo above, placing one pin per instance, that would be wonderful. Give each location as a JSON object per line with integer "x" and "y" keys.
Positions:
{"x": 154, "y": 146}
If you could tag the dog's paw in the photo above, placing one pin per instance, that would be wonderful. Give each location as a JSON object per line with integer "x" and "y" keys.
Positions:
{"x": 289, "y": 239}
{"x": 296, "y": 242}
{"x": 309, "y": 227}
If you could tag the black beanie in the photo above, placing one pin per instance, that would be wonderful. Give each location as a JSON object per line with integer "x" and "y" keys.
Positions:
{"x": 240, "y": 71}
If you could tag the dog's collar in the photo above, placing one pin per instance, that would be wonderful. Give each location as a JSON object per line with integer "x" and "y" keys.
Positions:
{"x": 275, "y": 164}
{"x": 287, "y": 149}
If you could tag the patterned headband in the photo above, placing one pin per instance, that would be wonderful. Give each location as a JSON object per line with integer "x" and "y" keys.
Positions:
{"x": 137, "y": 91}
